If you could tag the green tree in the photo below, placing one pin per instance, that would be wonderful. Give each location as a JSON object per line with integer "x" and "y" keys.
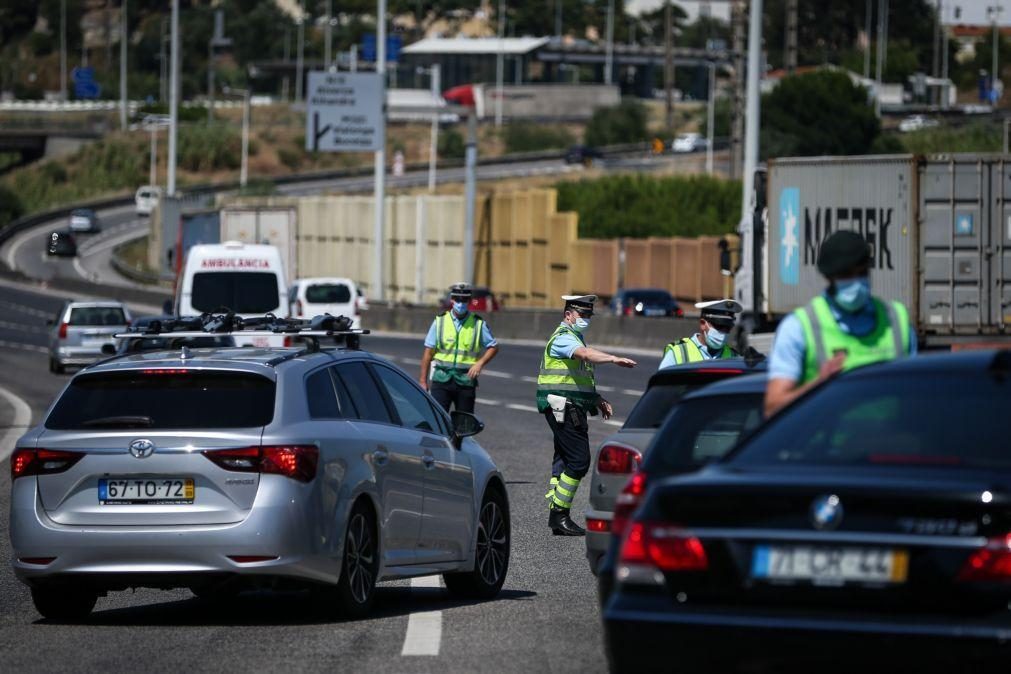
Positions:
{"x": 817, "y": 113}
{"x": 624, "y": 123}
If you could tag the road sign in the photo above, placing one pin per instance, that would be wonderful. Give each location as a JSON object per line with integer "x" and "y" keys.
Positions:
{"x": 393, "y": 45}
{"x": 85, "y": 85}
{"x": 344, "y": 112}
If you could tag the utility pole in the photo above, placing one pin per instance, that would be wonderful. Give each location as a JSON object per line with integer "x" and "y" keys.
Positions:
{"x": 469, "y": 196}
{"x": 879, "y": 62}
{"x": 936, "y": 63}
{"x": 152, "y": 178}
{"x": 63, "y": 50}
{"x": 327, "y": 32}
{"x": 243, "y": 166}
{"x": 737, "y": 130}
{"x": 218, "y": 39}
{"x": 162, "y": 63}
{"x": 995, "y": 11}
{"x": 790, "y": 55}
{"x": 868, "y": 27}
{"x": 433, "y": 149}
{"x": 122, "y": 65}
{"x": 500, "y": 62}
{"x": 946, "y": 92}
{"x": 300, "y": 57}
{"x": 378, "y": 237}
{"x": 752, "y": 109}
{"x": 711, "y": 118}
{"x": 668, "y": 65}
{"x": 609, "y": 48}
{"x": 173, "y": 101}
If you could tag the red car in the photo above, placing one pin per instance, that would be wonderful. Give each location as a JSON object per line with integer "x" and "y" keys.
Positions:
{"x": 482, "y": 302}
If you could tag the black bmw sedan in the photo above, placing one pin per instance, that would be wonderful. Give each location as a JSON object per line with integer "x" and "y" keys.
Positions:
{"x": 868, "y": 525}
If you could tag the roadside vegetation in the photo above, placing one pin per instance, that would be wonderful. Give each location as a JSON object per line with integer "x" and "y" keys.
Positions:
{"x": 639, "y": 206}
{"x": 980, "y": 136}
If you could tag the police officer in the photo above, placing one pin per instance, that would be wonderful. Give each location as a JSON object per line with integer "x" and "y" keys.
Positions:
{"x": 843, "y": 328}
{"x": 455, "y": 341}
{"x": 566, "y": 393}
{"x": 716, "y": 320}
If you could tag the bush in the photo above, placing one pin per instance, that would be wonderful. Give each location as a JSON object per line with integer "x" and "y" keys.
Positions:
{"x": 209, "y": 148}
{"x": 638, "y": 206}
{"x": 530, "y": 137}
{"x": 624, "y": 123}
{"x": 290, "y": 158}
{"x": 451, "y": 145}
{"x": 974, "y": 137}
{"x": 10, "y": 207}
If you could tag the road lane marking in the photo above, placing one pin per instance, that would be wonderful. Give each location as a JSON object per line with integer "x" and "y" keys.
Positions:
{"x": 21, "y": 423}
{"x": 532, "y": 380}
{"x": 614, "y": 422}
{"x": 26, "y": 309}
{"x": 23, "y": 327}
{"x": 490, "y": 403}
{"x": 81, "y": 271}
{"x": 4, "y": 344}
{"x": 424, "y": 628}
{"x": 497, "y": 373}
{"x": 631, "y": 392}
{"x": 521, "y": 408}
{"x": 606, "y": 389}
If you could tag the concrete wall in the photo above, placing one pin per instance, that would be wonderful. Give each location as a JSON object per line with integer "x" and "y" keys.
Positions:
{"x": 525, "y": 250}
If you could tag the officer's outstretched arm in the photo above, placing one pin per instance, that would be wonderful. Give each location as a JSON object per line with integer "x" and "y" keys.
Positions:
{"x": 598, "y": 357}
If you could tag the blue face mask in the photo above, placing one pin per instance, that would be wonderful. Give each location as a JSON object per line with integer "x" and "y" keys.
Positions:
{"x": 715, "y": 339}
{"x": 459, "y": 308}
{"x": 852, "y": 295}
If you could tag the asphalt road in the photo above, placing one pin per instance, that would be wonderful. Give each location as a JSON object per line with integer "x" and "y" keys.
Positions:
{"x": 546, "y": 618}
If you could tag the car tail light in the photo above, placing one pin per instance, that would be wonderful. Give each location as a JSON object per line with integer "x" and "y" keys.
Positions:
{"x": 662, "y": 546}
{"x": 166, "y": 371}
{"x": 250, "y": 559}
{"x": 295, "y": 461}
{"x": 679, "y": 312}
{"x": 628, "y": 311}
{"x": 38, "y": 561}
{"x": 63, "y": 331}
{"x": 990, "y": 563}
{"x": 618, "y": 459}
{"x": 597, "y": 526}
{"x": 626, "y": 503}
{"x": 288, "y": 341}
{"x": 25, "y": 462}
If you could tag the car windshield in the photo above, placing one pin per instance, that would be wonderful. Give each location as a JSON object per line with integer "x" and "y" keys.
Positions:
{"x": 930, "y": 419}
{"x": 170, "y": 399}
{"x": 95, "y": 316}
{"x": 328, "y": 293}
{"x": 244, "y": 292}
{"x": 701, "y": 430}
{"x": 648, "y": 296}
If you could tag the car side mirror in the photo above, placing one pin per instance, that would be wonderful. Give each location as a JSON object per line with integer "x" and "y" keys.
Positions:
{"x": 108, "y": 350}
{"x": 465, "y": 424}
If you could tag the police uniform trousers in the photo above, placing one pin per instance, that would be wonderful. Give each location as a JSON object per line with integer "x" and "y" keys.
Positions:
{"x": 453, "y": 394}
{"x": 572, "y": 442}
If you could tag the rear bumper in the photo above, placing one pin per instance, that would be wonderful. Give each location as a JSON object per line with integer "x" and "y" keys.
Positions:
{"x": 104, "y": 557}
{"x": 78, "y": 355}
{"x": 637, "y": 626}
{"x": 597, "y": 542}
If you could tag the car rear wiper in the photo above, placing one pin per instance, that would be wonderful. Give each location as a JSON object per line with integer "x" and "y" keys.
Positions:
{"x": 119, "y": 422}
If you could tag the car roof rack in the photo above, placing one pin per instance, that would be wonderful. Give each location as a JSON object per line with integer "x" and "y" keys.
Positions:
{"x": 228, "y": 323}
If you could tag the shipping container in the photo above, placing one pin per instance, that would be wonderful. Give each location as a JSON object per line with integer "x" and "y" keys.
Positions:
{"x": 939, "y": 229}
{"x": 267, "y": 225}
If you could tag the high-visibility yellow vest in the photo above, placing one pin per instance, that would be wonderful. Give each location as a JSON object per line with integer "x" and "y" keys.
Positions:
{"x": 823, "y": 337}
{"x": 456, "y": 351}
{"x": 567, "y": 377}
{"x": 687, "y": 351}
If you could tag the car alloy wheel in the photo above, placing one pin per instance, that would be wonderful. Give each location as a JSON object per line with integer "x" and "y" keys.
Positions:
{"x": 492, "y": 544}
{"x": 360, "y": 557}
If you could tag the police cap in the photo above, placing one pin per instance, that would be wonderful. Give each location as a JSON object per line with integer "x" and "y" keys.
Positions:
{"x": 581, "y": 303}
{"x": 721, "y": 313}
{"x": 841, "y": 252}
{"x": 462, "y": 291}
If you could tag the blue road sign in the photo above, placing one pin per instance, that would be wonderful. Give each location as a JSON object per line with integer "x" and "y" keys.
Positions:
{"x": 393, "y": 46}
{"x": 85, "y": 85}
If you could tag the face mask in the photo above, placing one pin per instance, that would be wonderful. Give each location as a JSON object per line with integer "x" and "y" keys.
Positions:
{"x": 581, "y": 324}
{"x": 459, "y": 308}
{"x": 715, "y": 339}
{"x": 852, "y": 295}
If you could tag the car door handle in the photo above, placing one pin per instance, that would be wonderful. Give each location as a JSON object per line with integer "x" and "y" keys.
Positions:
{"x": 433, "y": 443}
{"x": 428, "y": 460}
{"x": 381, "y": 456}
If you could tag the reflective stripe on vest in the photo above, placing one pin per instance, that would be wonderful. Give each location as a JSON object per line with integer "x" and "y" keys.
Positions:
{"x": 565, "y": 375}
{"x": 823, "y": 337}
{"x": 687, "y": 351}
{"x": 457, "y": 350}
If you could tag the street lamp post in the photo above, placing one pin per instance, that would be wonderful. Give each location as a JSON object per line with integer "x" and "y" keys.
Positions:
{"x": 433, "y": 149}
{"x": 63, "y": 50}
{"x": 170, "y": 188}
{"x": 244, "y": 93}
{"x": 609, "y": 47}
{"x": 994, "y": 11}
{"x": 300, "y": 59}
{"x": 752, "y": 110}
{"x": 500, "y": 62}
{"x": 327, "y": 31}
{"x": 711, "y": 117}
{"x": 379, "y": 193}
{"x": 122, "y": 65}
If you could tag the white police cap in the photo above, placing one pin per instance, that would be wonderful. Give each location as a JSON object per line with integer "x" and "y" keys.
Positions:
{"x": 721, "y": 311}
{"x": 584, "y": 302}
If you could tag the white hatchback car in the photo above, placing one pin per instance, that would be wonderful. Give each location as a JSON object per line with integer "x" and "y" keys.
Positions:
{"x": 336, "y": 296}
{"x": 146, "y": 199}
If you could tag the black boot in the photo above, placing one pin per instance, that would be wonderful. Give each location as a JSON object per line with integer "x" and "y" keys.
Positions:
{"x": 562, "y": 525}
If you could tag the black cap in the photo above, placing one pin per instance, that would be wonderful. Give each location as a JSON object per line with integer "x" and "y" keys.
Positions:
{"x": 841, "y": 252}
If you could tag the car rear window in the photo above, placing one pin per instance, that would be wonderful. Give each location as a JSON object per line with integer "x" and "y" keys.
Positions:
{"x": 655, "y": 404}
{"x": 244, "y": 292}
{"x": 328, "y": 293}
{"x": 929, "y": 419}
{"x": 164, "y": 399}
{"x": 702, "y": 430}
{"x": 95, "y": 316}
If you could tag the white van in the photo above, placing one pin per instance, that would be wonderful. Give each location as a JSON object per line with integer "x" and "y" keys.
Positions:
{"x": 146, "y": 199}
{"x": 310, "y": 297}
{"x": 243, "y": 277}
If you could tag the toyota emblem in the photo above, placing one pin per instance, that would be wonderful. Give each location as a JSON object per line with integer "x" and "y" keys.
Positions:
{"x": 142, "y": 448}
{"x": 826, "y": 512}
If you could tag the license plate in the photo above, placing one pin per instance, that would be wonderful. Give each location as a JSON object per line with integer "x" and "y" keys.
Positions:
{"x": 654, "y": 312}
{"x": 154, "y": 491}
{"x": 831, "y": 565}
